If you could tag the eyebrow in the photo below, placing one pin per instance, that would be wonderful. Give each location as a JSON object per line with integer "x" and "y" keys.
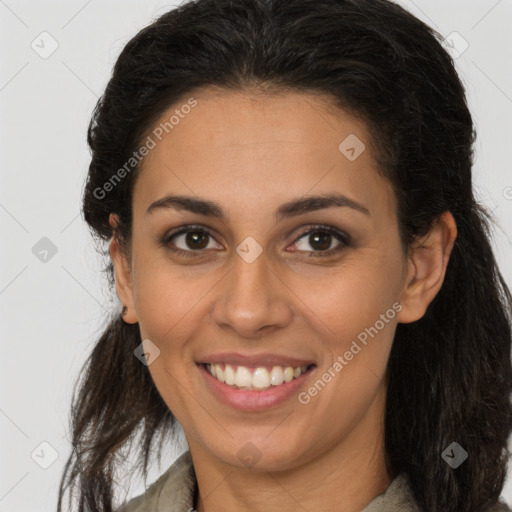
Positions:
{"x": 290, "y": 209}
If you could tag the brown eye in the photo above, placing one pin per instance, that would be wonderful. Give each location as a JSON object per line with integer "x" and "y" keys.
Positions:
{"x": 196, "y": 239}
{"x": 320, "y": 239}
{"x": 192, "y": 240}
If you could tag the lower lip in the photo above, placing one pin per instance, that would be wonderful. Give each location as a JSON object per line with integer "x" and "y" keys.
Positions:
{"x": 253, "y": 400}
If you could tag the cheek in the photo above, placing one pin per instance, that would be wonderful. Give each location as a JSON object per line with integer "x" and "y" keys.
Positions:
{"x": 357, "y": 307}
{"x": 351, "y": 297}
{"x": 354, "y": 308}
{"x": 173, "y": 303}
{"x": 163, "y": 298}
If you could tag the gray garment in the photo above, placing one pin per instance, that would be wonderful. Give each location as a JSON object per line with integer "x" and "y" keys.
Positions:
{"x": 175, "y": 491}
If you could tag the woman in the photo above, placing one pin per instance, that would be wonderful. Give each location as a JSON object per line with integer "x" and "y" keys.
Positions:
{"x": 307, "y": 281}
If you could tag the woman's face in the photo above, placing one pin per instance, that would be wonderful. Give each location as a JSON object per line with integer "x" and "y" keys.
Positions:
{"x": 252, "y": 285}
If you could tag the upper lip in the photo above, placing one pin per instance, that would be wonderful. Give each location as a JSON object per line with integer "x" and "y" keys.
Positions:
{"x": 266, "y": 359}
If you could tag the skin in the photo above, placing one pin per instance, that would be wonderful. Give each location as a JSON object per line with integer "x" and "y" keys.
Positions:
{"x": 251, "y": 152}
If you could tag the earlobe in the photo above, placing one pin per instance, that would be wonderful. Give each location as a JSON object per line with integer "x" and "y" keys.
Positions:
{"x": 427, "y": 265}
{"x": 123, "y": 275}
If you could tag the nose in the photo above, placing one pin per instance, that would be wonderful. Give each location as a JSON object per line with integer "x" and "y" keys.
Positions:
{"x": 253, "y": 300}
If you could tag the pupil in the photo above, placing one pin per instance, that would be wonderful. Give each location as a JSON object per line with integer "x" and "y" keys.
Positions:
{"x": 324, "y": 237}
{"x": 192, "y": 238}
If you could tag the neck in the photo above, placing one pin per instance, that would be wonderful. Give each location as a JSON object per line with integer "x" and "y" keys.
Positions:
{"x": 347, "y": 476}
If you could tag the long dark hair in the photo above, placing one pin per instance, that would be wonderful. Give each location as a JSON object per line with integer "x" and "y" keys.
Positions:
{"x": 449, "y": 374}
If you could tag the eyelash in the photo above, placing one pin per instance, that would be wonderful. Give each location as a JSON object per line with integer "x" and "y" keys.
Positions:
{"x": 341, "y": 237}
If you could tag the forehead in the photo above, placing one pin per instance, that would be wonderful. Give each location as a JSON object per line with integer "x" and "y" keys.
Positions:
{"x": 225, "y": 118}
{"x": 235, "y": 145}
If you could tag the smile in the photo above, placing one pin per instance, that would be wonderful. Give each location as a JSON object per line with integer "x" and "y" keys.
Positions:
{"x": 254, "y": 379}
{"x": 259, "y": 388}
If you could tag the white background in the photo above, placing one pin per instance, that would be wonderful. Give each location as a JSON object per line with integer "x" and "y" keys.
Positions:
{"x": 52, "y": 313}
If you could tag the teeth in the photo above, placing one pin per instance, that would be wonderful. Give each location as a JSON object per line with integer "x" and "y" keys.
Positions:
{"x": 243, "y": 377}
{"x": 259, "y": 379}
{"x": 276, "y": 376}
{"x": 229, "y": 375}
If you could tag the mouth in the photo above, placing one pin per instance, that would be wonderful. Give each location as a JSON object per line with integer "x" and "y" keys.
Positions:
{"x": 254, "y": 389}
{"x": 260, "y": 378}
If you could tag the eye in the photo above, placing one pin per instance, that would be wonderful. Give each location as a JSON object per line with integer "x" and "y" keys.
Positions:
{"x": 321, "y": 238}
{"x": 195, "y": 240}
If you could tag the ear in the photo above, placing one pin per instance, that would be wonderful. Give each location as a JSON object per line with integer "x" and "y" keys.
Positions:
{"x": 426, "y": 268}
{"x": 122, "y": 273}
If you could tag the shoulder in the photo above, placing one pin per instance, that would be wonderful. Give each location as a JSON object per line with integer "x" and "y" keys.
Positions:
{"x": 174, "y": 490}
{"x": 399, "y": 497}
